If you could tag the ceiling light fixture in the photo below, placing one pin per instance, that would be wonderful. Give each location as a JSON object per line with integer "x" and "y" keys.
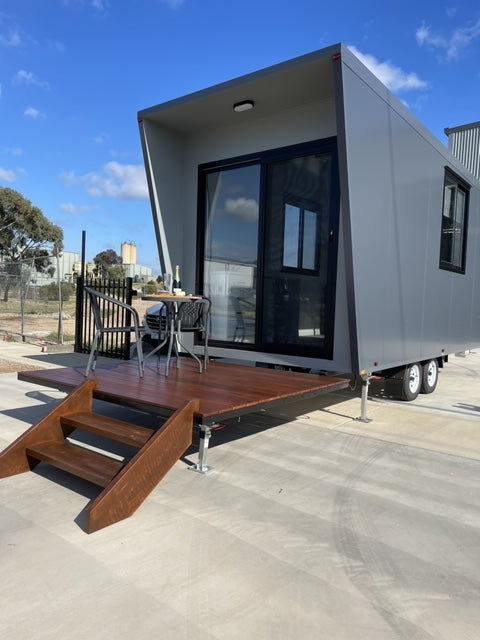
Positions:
{"x": 245, "y": 105}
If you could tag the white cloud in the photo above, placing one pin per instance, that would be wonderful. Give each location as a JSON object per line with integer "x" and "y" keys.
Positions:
{"x": 34, "y": 114}
{"x": 98, "y": 5}
{"x": 69, "y": 179}
{"x": 56, "y": 45}
{"x": 451, "y": 45}
{"x": 392, "y": 76}
{"x": 101, "y": 138}
{"x": 28, "y": 78}
{"x": 423, "y": 36}
{"x": 244, "y": 208}
{"x": 122, "y": 181}
{"x": 73, "y": 209}
{"x": 14, "y": 151}
{"x": 114, "y": 153}
{"x": 6, "y": 175}
{"x": 11, "y": 39}
{"x": 173, "y": 3}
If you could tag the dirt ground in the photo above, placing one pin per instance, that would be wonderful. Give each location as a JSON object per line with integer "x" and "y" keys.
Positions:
{"x": 38, "y": 326}
{"x": 9, "y": 366}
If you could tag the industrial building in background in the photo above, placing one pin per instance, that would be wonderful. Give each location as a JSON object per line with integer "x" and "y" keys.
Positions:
{"x": 128, "y": 253}
{"x": 464, "y": 143}
{"x": 69, "y": 267}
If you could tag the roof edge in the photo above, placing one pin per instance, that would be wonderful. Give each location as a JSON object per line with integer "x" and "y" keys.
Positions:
{"x": 464, "y": 127}
{"x": 235, "y": 82}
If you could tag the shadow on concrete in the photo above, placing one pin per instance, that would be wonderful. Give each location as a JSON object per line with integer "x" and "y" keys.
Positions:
{"x": 469, "y": 407}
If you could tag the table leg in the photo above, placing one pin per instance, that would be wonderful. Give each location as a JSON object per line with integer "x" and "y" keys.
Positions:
{"x": 160, "y": 343}
{"x": 171, "y": 343}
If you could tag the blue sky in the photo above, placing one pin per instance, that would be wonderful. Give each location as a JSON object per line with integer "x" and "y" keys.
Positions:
{"x": 74, "y": 73}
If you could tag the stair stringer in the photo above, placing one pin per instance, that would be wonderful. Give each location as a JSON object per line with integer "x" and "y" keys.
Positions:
{"x": 126, "y": 492}
{"x": 14, "y": 458}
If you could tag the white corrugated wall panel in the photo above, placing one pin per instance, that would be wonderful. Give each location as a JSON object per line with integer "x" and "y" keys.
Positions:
{"x": 465, "y": 145}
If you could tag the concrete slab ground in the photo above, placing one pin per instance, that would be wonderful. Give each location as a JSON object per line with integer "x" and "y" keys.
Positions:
{"x": 312, "y": 525}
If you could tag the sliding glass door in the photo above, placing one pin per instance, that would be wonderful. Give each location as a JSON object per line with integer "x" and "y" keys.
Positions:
{"x": 269, "y": 249}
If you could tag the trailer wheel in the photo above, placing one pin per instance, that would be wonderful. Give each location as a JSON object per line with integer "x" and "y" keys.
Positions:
{"x": 412, "y": 382}
{"x": 429, "y": 376}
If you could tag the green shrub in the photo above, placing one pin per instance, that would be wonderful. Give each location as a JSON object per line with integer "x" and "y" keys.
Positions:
{"x": 53, "y": 337}
{"x": 150, "y": 288}
{"x": 50, "y": 291}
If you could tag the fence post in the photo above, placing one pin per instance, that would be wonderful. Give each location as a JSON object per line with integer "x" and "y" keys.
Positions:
{"x": 79, "y": 320}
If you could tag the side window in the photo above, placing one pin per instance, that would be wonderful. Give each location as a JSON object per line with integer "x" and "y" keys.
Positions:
{"x": 454, "y": 223}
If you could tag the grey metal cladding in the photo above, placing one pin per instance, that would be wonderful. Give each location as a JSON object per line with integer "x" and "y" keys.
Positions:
{"x": 407, "y": 308}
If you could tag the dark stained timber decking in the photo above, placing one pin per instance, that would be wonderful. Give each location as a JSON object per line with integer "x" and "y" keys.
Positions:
{"x": 224, "y": 390}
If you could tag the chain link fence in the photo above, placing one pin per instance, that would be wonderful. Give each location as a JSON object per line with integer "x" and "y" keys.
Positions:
{"x": 35, "y": 306}
{"x": 41, "y": 307}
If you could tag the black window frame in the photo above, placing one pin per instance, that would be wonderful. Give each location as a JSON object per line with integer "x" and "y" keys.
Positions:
{"x": 303, "y": 205}
{"x": 453, "y": 179}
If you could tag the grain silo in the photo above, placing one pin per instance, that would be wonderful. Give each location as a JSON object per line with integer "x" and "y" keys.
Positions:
{"x": 128, "y": 253}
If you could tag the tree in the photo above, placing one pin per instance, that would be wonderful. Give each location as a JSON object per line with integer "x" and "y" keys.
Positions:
{"x": 108, "y": 264}
{"x": 25, "y": 235}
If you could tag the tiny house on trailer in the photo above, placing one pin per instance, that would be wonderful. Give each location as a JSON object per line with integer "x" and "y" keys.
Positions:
{"x": 329, "y": 228}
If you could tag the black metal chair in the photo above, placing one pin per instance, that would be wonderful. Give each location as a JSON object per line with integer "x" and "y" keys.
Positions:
{"x": 190, "y": 316}
{"x": 129, "y": 323}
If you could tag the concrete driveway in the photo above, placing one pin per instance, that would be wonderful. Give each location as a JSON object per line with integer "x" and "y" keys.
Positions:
{"x": 312, "y": 525}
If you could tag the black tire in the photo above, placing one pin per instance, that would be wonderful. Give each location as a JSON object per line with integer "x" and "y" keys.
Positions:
{"x": 429, "y": 376}
{"x": 412, "y": 382}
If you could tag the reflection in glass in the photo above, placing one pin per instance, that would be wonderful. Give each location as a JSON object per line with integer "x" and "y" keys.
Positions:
{"x": 230, "y": 258}
{"x": 290, "y": 236}
{"x": 309, "y": 239}
{"x": 457, "y": 239}
{"x": 299, "y": 238}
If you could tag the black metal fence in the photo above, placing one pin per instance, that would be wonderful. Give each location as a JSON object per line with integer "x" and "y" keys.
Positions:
{"x": 113, "y": 345}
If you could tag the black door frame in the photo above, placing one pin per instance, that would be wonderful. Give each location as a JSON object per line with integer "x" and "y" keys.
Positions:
{"x": 264, "y": 159}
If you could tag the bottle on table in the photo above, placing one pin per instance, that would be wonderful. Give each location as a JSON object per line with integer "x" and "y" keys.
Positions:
{"x": 177, "y": 283}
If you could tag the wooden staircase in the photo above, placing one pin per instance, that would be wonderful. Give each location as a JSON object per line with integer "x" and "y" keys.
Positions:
{"x": 125, "y": 485}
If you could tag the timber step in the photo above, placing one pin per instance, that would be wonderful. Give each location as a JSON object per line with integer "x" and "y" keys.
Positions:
{"x": 125, "y": 484}
{"x": 80, "y": 462}
{"x": 110, "y": 428}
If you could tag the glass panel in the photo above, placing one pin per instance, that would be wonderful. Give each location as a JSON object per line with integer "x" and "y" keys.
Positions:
{"x": 230, "y": 260}
{"x": 309, "y": 239}
{"x": 447, "y": 223}
{"x": 458, "y": 229}
{"x": 295, "y": 310}
{"x": 291, "y": 235}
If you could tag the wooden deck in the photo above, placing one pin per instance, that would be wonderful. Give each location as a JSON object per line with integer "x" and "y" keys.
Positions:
{"x": 223, "y": 390}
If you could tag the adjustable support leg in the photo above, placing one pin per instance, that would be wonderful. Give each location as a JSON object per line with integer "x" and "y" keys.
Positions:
{"x": 205, "y": 434}
{"x": 366, "y": 377}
